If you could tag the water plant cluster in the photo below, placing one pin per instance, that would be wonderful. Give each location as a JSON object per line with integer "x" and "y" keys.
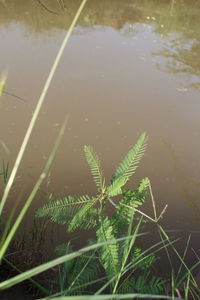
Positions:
{"x": 113, "y": 261}
{"x": 112, "y": 265}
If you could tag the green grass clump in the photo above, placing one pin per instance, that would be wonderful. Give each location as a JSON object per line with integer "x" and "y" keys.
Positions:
{"x": 112, "y": 266}
{"x": 124, "y": 266}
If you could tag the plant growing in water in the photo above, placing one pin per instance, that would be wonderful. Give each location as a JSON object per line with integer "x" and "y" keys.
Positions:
{"x": 118, "y": 261}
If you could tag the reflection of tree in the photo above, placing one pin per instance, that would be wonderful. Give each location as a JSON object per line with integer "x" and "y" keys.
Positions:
{"x": 177, "y": 21}
{"x": 182, "y": 60}
{"x": 177, "y": 16}
{"x": 43, "y": 15}
{"x": 182, "y": 43}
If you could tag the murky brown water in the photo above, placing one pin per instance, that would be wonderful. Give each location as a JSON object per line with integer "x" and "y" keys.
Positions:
{"x": 130, "y": 66}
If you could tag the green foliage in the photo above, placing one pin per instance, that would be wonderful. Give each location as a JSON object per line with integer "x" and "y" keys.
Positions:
{"x": 78, "y": 272}
{"x": 116, "y": 186}
{"x": 84, "y": 218}
{"x": 131, "y": 199}
{"x": 71, "y": 210}
{"x": 109, "y": 254}
{"x": 4, "y": 172}
{"x": 130, "y": 162}
{"x": 95, "y": 167}
{"x": 86, "y": 269}
{"x": 143, "y": 262}
{"x": 83, "y": 212}
{"x": 142, "y": 284}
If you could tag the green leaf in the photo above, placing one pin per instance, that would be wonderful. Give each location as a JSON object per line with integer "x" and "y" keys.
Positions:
{"x": 110, "y": 252}
{"x": 95, "y": 167}
{"x": 131, "y": 200}
{"x": 145, "y": 262}
{"x": 130, "y": 162}
{"x": 84, "y": 218}
{"x": 62, "y": 210}
{"x": 141, "y": 284}
{"x": 86, "y": 269}
{"x": 115, "y": 188}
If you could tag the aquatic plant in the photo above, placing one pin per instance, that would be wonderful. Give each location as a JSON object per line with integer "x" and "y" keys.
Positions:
{"x": 109, "y": 253}
{"x": 10, "y": 225}
{"x": 84, "y": 212}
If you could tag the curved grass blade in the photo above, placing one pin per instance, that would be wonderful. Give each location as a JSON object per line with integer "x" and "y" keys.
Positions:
{"x": 113, "y": 297}
{"x": 43, "y": 267}
{"x": 38, "y": 107}
{"x": 32, "y": 194}
{"x": 2, "y": 84}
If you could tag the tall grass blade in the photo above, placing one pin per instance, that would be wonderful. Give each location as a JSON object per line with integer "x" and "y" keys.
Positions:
{"x": 38, "y": 107}
{"x": 127, "y": 250}
{"x": 35, "y": 283}
{"x": 43, "y": 267}
{"x": 32, "y": 194}
{"x": 2, "y": 83}
{"x": 112, "y": 297}
{"x": 176, "y": 252}
{"x": 5, "y": 147}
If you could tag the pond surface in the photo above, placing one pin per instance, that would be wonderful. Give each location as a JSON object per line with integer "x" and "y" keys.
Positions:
{"x": 130, "y": 66}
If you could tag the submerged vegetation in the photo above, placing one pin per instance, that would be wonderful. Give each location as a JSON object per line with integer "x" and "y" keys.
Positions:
{"x": 112, "y": 265}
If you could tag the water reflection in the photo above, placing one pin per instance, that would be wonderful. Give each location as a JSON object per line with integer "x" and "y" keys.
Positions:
{"x": 177, "y": 22}
{"x": 43, "y": 14}
{"x": 181, "y": 44}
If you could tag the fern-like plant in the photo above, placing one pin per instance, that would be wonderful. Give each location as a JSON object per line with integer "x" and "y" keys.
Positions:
{"x": 112, "y": 261}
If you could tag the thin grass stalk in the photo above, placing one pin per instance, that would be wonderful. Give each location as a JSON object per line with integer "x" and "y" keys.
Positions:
{"x": 153, "y": 201}
{"x": 177, "y": 253}
{"x": 35, "y": 283}
{"x": 4, "y": 147}
{"x": 189, "y": 273}
{"x": 33, "y": 193}
{"x": 7, "y": 225}
{"x": 3, "y": 80}
{"x": 127, "y": 251}
{"x": 131, "y": 265}
{"x": 197, "y": 256}
{"x": 110, "y": 297}
{"x": 179, "y": 295}
{"x": 89, "y": 283}
{"x": 195, "y": 294}
{"x": 13, "y": 95}
{"x": 164, "y": 244}
{"x": 38, "y": 107}
{"x": 5, "y": 172}
{"x": 187, "y": 287}
{"x": 173, "y": 285}
{"x": 44, "y": 267}
{"x": 184, "y": 254}
{"x": 76, "y": 278}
